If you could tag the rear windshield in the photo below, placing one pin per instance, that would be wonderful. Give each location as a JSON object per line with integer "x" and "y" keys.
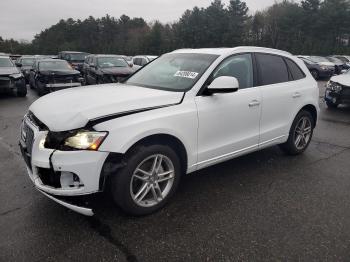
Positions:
{"x": 5, "y": 62}
{"x": 77, "y": 57}
{"x": 54, "y": 65}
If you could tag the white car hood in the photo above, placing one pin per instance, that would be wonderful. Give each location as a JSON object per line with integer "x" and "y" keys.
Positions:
{"x": 343, "y": 79}
{"x": 326, "y": 64}
{"x": 72, "y": 108}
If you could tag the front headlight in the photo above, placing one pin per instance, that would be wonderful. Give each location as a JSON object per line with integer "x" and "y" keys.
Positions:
{"x": 17, "y": 75}
{"x": 335, "y": 87}
{"x": 86, "y": 140}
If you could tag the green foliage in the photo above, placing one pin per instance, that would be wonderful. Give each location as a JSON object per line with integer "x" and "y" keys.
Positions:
{"x": 308, "y": 27}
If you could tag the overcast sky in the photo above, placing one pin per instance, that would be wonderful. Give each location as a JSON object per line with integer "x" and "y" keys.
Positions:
{"x": 22, "y": 19}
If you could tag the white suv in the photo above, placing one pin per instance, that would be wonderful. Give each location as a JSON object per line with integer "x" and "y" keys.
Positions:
{"x": 185, "y": 111}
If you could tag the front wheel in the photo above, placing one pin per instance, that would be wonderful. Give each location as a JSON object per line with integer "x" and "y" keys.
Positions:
{"x": 149, "y": 179}
{"x": 300, "y": 134}
{"x": 331, "y": 105}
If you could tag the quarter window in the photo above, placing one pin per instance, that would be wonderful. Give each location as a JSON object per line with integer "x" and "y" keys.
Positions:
{"x": 295, "y": 70}
{"x": 272, "y": 69}
{"x": 238, "y": 66}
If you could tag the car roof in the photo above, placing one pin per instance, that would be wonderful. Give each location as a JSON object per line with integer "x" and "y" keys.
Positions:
{"x": 226, "y": 51}
{"x": 50, "y": 60}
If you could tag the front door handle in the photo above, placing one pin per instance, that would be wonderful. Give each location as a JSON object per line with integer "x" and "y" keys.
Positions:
{"x": 296, "y": 95}
{"x": 254, "y": 103}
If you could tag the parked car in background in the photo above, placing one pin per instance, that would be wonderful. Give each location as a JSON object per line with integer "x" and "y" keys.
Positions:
{"x": 345, "y": 59}
{"x": 11, "y": 79}
{"x": 317, "y": 70}
{"x": 142, "y": 60}
{"x": 339, "y": 64}
{"x": 187, "y": 110}
{"x": 338, "y": 90}
{"x": 101, "y": 69}
{"x": 75, "y": 59}
{"x": 322, "y": 61}
{"x": 25, "y": 64}
{"x": 49, "y": 75}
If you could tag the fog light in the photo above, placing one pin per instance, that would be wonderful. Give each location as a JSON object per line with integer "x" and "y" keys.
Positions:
{"x": 69, "y": 180}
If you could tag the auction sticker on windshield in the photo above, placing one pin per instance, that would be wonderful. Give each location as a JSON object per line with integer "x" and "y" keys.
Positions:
{"x": 186, "y": 74}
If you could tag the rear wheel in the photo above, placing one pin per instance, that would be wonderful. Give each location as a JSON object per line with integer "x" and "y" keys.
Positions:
{"x": 300, "y": 134}
{"x": 22, "y": 90}
{"x": 148, "y": 181}
{"x": 40, "y": 88}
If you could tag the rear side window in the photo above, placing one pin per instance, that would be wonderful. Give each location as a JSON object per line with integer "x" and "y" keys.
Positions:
{"x": 295, "y": 70}
{"x": 272, "y": 69}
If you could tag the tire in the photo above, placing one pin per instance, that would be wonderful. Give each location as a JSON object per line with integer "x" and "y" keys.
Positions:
{"x": 126, "y": 187}
{"x": 40, "y": 88}
{"x": 315, "y": 74}
{"x": 299, "y": 139}
{"x": 331, "y": 105}
{"x": 22, "y": 90}
{"x": 98, "y": 81}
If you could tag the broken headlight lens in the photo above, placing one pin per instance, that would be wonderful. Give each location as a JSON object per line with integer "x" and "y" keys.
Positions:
{"x": 86, "y": 140}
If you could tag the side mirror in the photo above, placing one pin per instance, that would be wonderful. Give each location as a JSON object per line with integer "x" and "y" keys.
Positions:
{"x": 18, "y": 64}
{"x": 223, "y": 84}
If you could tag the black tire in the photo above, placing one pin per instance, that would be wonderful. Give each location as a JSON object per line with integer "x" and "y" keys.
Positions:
{"x": 121, "y": 182}
{"x": 315, "y": 74}
{"x": 98, "y": 81}
{"x": 290, "y": 147}
{"x": 86, "y": 80}
{"x": 331, "y": 105}
{"x": 22, "y": 90}
{"x": 40, "y": 88}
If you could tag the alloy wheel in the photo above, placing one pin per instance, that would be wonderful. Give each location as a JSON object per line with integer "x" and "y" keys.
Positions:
{"x": 302, "y": 133}
{"x": 152, "y": 180}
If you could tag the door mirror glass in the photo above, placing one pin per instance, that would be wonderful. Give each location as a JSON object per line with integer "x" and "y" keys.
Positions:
{"x": 223, "y": 84}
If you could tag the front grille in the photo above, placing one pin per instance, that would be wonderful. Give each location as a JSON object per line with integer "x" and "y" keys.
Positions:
{"x": 49, "y": 177}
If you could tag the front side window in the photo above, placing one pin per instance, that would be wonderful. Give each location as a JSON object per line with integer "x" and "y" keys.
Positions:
{"x": 105, "y": 62}
{"x": 54, "y": 65}
{"x": 173, "y": 72}
{"x": 272, "y": 69}
{"x": 238, "y": 66}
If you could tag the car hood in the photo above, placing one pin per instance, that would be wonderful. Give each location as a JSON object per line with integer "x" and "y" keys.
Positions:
{"x": 326, "y": 64}
{"x": 117, "y": 71}
{"x": 343, "y": 79}
{"x": 72, "y": 108}
{"x": 60, "y": 72}
{"x": 8, "y": 70}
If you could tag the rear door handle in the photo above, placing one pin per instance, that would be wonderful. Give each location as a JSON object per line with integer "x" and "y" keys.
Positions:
{"x": 296, "y": 95}
{"x": 254, "y": 103}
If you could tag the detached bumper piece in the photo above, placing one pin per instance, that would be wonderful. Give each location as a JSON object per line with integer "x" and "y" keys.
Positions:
{"x": 79, "y": 204}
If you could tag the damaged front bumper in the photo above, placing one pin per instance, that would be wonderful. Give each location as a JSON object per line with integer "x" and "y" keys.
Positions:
{"x": 66, "y": 177}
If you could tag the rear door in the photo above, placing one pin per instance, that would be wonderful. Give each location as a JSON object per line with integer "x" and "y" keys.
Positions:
{"x": 281, "y": 96}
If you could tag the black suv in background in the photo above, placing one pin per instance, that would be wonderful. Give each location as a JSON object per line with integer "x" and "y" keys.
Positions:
{"x": 50, "y": 75}
{"x": 25, "y": 64}
{"x": 339, "y": 64}
{"x": 75, "y": 59}
{"x": 100, "y": 69}
{"x": 318, "y": 71}
{"x": 11, "y": 78}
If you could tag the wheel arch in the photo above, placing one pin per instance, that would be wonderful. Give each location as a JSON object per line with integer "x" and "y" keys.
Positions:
{"x": 312, "y": 110}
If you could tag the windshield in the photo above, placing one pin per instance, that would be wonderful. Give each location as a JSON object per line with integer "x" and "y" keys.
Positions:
{"x": 5, "y": 62}
{"x": 77, "y": 56}
{"x": 27, "y": 61}
{"x": 54, "y": 65}
{"x": 105, "y": 62}
{"x": 173, "y": 72}
{"x": 319, "y": 59}
{"x": 334, "y": 60}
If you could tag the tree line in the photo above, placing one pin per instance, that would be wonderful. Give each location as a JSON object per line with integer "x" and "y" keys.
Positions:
{"x": 309, "y": 27}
